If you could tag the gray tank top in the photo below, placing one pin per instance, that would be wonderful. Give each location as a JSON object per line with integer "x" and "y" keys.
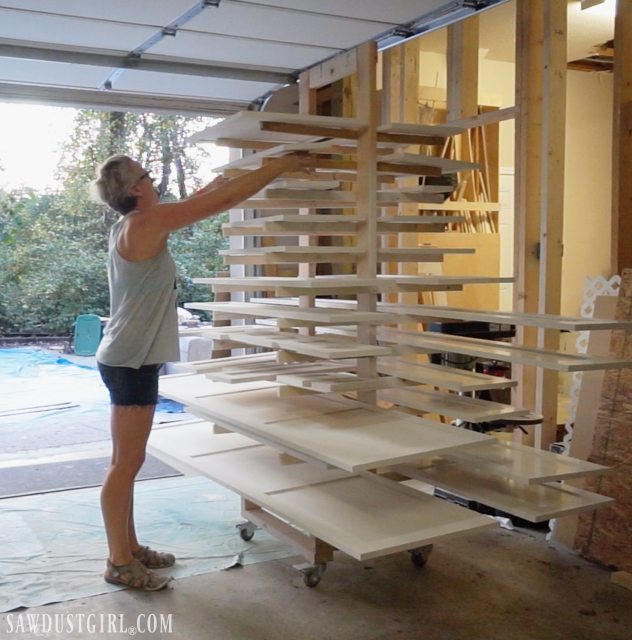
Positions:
{"x": 143, "y": 325}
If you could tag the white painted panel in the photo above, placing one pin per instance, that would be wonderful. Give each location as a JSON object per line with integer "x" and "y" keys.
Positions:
{"x": 70, "y": 31}
{"x": 221, "y": 48}
{"x": 286, "y": 25}
{"x": 533, "y": 502}
{"x": 367, "y": 520}
{"x": 361, "y": 516}
{"x": 59, "y": 74}
{"x": 190, "y": 86}
{"x": 334, "y": 431}
{"x": 149, "y": 12}
{"x": 382, "y": 10}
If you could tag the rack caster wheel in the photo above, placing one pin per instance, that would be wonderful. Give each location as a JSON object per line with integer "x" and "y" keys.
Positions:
{"x": 246, "y": 531}
{"x": 312, "y": 574}
{"x": 419, "y": 557}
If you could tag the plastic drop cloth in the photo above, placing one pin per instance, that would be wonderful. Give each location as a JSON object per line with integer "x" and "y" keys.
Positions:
{"x": 54, "y": 549}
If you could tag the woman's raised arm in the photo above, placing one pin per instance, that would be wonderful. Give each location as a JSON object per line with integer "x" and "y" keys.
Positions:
{"x": 168, "y": 217}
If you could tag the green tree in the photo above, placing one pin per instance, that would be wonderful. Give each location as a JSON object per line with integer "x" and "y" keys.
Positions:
{"x": 54, "y": 246}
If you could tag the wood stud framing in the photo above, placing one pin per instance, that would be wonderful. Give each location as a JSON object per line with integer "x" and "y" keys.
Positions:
{"x": 541, "y": 100}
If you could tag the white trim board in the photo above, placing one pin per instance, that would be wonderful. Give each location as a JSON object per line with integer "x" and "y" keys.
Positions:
{"x": 333, "y": 225}
{"x": 337, "y": 284}
{"x": 447, "y": 404}
{"x": 533, "y": 502}
{"x": 318, "y": 315}
{"x": 255, "y": 160}
{"x": 388, "y": 197}
{"x": 542, "y": 320}
{"x": 194, "y": 387}
{"x": 284, "y": 199}
{"x": 316, "y": 202}
{"x": 202, "y": 366}
{"x": 291, "y": 255}
{"x": 326, "y": 347}
{"x": 316, "y": 254}
{"x": 298, "y": 183}
{"x": 411, "y": 281}
{"x": 339, "y": 382}
{"x": 274, "y": 371}
{"x": 431, "y": 342}
{"x": 523, "y": 463}
{"x": 315, "y": 285}
{"x": 437, "y": 375}
{"x": 246, "y": 125}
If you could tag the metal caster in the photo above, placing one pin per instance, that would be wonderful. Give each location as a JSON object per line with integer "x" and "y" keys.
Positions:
{"x": 246, "y": 531}
{"x": 312, "y": 573}
{"x": 419, "y": 556}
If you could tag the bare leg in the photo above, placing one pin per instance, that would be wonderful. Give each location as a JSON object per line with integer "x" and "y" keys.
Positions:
{"x": 134, "y": 545}
{"x": 130, "y": 427}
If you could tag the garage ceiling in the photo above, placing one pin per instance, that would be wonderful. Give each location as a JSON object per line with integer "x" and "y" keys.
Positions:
{"x": 207, "y": 56}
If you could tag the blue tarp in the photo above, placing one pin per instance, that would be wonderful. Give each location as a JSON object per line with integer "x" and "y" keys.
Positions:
{"x": 46, "y": 400}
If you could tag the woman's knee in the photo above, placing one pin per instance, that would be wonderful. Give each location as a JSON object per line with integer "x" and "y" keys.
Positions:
{"x": 127, "y": 465}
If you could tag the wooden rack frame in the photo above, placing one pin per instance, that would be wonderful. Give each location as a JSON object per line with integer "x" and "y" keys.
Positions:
{"x": 332, "y": 491}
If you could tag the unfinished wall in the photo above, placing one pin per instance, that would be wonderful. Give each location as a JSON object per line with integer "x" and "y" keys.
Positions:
{"x": 496, "y": 87}
{"x": 587, "y": 184}
{"x": 587, "y": 181}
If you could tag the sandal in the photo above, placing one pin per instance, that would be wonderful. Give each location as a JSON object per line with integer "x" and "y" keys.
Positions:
{"x": 154, "y": 559}
{"x": 134, "y": 575}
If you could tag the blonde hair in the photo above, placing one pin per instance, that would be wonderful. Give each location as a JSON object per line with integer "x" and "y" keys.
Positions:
{"x": 114, "y": 179}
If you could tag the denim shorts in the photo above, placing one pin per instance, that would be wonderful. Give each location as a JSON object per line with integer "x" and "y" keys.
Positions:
{"x": 129, "y": 386}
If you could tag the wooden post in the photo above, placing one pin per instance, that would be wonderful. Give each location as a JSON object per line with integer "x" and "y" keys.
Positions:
{"x": 621, "y": 246}
{"x": 366, "y": 186}
{"x": 462, "y": 60}
{"x": 392, "y": 110}
{"x": 307, "y": 104}
{"x": 462, "y": 92}
{"x": 221, "y": 296}
{"x": 400, "y": 103}
{"x": 541, "y": 98}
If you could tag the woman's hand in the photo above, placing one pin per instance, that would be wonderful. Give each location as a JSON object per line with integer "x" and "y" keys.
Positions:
{"x": 214, "y": 184}
{"x": 217, "y": 182}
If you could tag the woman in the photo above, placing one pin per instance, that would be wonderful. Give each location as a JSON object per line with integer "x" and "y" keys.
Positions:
{"x": 142, "y": 334}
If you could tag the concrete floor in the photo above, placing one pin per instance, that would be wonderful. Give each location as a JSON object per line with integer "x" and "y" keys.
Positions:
{"x": 504, "y": 585}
